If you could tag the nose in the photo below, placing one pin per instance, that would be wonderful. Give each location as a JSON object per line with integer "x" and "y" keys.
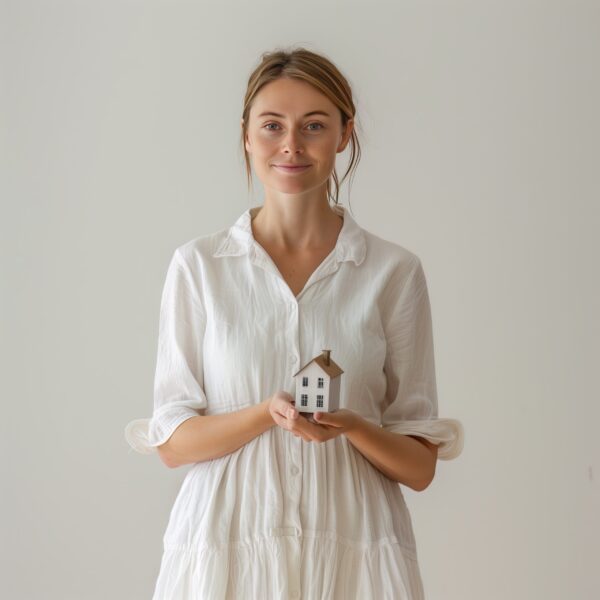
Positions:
{"x": 292, "y": 142}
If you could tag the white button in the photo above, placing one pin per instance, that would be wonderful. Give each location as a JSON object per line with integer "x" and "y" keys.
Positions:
{"x": 295, "y": 470}
{"x": 293, "y": 358}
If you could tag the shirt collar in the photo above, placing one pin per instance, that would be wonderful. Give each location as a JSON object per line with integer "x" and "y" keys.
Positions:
{"x": 351, "y": 243}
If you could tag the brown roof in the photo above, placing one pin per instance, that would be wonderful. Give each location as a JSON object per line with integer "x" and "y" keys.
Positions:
{"x": 332, "y": 369}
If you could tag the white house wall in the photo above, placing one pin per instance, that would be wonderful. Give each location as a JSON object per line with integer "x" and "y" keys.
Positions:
{"x": 334, "y": 393}
{"x": 313, "y": 372}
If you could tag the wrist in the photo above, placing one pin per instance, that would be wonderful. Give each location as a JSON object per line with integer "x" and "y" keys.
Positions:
{"x": 266, "y": 412}
{"x": 357, "y": 425}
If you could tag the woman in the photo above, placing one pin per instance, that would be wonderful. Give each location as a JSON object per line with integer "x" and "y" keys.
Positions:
{"x": 276, "y": 504}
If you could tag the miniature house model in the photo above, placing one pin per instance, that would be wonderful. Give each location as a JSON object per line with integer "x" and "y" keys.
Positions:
{"x": 318, "y": 385}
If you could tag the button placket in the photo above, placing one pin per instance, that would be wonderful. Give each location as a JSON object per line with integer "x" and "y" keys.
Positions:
{"x": 293, "y": 346}
{"x": 292, "y": 518}
{"x": 294, "y": 480}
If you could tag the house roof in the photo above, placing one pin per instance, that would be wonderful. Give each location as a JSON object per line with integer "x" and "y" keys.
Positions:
{"x": 332, "y": 369}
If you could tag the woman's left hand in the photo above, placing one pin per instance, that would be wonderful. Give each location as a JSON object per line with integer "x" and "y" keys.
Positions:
{"x": 328, "y": 425}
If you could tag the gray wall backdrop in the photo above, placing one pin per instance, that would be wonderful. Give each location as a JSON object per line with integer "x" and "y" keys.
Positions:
{"x": 479, "y": 124}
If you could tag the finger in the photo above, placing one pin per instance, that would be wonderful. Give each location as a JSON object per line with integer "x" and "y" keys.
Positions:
{"x": 286, "y": 410}
{"x": 285, "y": 418}
{"x": 322, "y": 417}
{"x": 283, "y": 396}
{"x": 321, "y": 432}
{"x": 289, "y": 409}
{"x": 296, "y": 424}
{"x": 299, "y": 429}
{"x": 299, "y": 422}
{"x": 309, "y": 431}
{"x": 280, "y": 421}
{"x": 327, "y": 420}
{"x": 299, "y": 434}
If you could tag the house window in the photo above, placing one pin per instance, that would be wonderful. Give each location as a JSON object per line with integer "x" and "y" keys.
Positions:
{"x": 304, "y": 399}
{"x": 320, "y": 382}
{"x": 320, "y": 401}
{"x": 304, "y": 381}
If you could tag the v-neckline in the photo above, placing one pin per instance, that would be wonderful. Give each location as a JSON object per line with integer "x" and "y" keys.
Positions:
{"x": 312, "y": 278}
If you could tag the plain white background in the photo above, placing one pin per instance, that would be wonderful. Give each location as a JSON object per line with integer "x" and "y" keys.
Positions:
{"x": 120, "y": 141}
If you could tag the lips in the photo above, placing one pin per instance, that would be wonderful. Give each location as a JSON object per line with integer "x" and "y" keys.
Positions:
{"x": 292, "y": 165}
{"x": 291, "y": 168}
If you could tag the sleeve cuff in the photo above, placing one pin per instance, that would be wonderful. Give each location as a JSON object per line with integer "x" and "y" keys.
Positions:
{"x": 448, "y": 434}
{"x": 143, "y": 435}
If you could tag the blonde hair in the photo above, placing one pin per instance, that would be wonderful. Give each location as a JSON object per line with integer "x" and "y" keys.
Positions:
{"x": 321, "y": 73}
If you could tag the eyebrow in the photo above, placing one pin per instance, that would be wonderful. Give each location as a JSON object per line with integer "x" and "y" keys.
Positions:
{"x": 308, "y": 114}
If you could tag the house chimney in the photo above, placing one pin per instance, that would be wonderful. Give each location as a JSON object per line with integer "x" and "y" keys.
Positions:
{"x": 326, "y": 356}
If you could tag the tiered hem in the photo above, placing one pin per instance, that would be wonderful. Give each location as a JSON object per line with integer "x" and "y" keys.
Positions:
{"x": 331, "y": 568}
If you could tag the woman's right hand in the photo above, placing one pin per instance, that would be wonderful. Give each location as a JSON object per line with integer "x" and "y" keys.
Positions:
{"x": 284, "y": 413}
{"x": 282, "y": 408}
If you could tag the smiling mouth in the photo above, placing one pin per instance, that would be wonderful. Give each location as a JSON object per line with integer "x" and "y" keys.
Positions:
{"x": 292, "y": 168}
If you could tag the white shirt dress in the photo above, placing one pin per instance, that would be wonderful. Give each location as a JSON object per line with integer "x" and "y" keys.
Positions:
{"x": 282, "y": 518}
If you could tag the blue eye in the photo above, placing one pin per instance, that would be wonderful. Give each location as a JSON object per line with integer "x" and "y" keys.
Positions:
{"x": 268, "y": 128}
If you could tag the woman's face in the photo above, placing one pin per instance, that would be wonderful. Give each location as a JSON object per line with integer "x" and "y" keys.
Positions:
{"x": 281, "y": 131}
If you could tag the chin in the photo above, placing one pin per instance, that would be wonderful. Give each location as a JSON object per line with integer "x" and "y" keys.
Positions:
{"x": 291, "y": 187}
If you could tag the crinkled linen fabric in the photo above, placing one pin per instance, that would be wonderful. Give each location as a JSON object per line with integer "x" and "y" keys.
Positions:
{"x": 281, "y": 518}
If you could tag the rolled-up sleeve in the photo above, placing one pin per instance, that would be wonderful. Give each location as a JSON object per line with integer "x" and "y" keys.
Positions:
{"x": 178, "y": 380}
{"x": 411, "y": 404}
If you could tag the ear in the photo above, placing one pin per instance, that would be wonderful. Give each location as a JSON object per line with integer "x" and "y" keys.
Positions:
{"x": 246, "y": 140}
{"x": 346, "y": 135}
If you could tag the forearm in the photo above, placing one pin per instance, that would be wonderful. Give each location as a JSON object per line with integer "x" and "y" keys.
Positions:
{"x": 211, "y": 436}
{"x": 397, "y": 456}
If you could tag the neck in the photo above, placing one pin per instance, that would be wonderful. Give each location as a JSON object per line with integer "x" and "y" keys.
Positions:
{"x": 296, "y": 226}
